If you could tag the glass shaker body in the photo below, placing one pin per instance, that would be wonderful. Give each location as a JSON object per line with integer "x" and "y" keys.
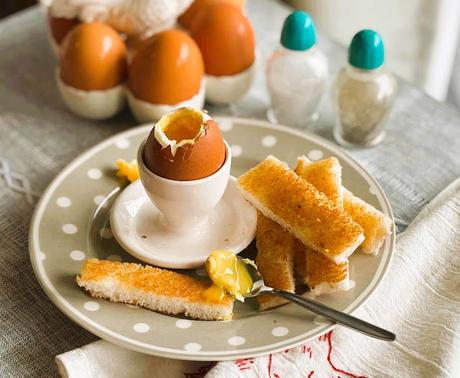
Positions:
{"x": 296, "y": 82}
{"x": 363, "y": 99}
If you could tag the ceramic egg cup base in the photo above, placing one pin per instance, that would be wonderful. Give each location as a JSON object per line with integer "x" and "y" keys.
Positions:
{"x": 141, "y": 230}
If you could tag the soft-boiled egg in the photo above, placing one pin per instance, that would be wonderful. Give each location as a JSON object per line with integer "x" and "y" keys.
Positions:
{"x": 187, "y": 18}
{"x": 185, "y": 144}
{"x": 92, "y": 70}
{"x": 58, "y": 28}
{"x": 166, "y": 73}
{"x": 226, "y": 40}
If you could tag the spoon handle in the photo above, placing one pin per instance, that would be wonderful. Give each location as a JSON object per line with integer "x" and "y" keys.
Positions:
{"x": 336, "y": 316}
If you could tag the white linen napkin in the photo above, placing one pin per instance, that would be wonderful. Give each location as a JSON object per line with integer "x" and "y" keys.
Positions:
{"x": 419, "y": 300}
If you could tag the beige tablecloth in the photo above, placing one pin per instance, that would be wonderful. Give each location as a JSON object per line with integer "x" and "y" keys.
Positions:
{"x": 38, "y": 137}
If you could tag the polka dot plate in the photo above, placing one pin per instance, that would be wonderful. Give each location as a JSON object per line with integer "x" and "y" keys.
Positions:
{"x": 71, "y": 223}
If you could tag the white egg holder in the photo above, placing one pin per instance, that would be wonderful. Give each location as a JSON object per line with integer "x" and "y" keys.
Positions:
{"x": 226, "y": 89}
{"x": 145, "y": 111}
{"x": 96, "y": 104}
{"x": 174, "y": 224}
{"x": 104, "y": 104}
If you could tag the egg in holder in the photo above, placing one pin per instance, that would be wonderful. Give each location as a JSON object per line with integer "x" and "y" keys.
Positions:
{"x": 92, "y": 70}
{"x": 226, "y": 41}
{"x": 186, "y": 203}
{"x": 166, "y": 73}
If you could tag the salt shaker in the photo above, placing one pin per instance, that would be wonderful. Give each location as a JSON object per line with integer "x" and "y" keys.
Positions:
{"x": 296, "y": 73}
{"x": 363, "y": 92}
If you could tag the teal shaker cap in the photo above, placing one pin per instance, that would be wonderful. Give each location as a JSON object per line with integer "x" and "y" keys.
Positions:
{"x": 366, "y": 50}
{"x": 299, "y": 32}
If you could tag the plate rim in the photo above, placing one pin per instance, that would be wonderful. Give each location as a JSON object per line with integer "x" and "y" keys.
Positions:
{"x": 124, "y": 341}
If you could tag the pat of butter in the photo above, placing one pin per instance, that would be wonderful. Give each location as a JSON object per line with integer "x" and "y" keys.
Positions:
{"x": 229, "y": 275}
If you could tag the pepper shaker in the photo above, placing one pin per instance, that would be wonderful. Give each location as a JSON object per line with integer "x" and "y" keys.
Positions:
{"x": 363, "y": 92}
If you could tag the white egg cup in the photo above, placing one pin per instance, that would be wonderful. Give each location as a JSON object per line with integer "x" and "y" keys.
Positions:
{"x": 176, "y": 224}
{"x": 144, "y": 111}
{"x": 185, "y": 205}
{"x": 226, "y": 89}
{"x": 96, "y": 104}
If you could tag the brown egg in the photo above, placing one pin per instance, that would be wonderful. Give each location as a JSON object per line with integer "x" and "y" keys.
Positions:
{"x": 200, "y": 156}
{"x": 60, "y": 27}
{"x": 225, "y": 38}
{"x": 93, "y": 57}
{"x": 189, "y": 16}
{"x": 166, "y": 69}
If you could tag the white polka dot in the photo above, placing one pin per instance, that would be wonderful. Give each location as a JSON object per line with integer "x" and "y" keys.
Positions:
{"x": 69, "y": 228}
{"x": 141, "y": 327}
{"x": 91, "y": 306}
{"x": 106, "y": 233}
{"x": 183, "y": 323}
{"x": 279, "y": 331}
{"x": 225, "y": 125}
{"x": 315, "y": 154}
{"x": 236, "y": 150}
{"x": 41, "y": 256}
{"x": 236, "y": 340}
{"x": 94, "y": 174}
{"x": 114, "y": 258}
{"x": 99, "y": 199}
{"x": 269, "y": 141}
{"x": 122, "y": 143}
{"x": 192, "y": 347}
{"x": 201, "y": 272}
{"x": 373, "y": 190}
{"x": 77, "y": 255}
{"x": 64, "y": 202}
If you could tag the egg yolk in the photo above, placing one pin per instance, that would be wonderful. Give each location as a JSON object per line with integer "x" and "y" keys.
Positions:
{"x": 229, "y": 275}
{"x": 181, "y": 128}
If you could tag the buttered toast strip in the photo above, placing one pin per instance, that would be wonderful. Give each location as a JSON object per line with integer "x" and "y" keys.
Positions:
{"x": 323, "y": 175}
{"x": 153, "y": 288}
{"x": 281, "y": 195}
{"x": 319, "y": 273}
{"x": 376, "y": 225}
{"x": 275, "y": 260}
